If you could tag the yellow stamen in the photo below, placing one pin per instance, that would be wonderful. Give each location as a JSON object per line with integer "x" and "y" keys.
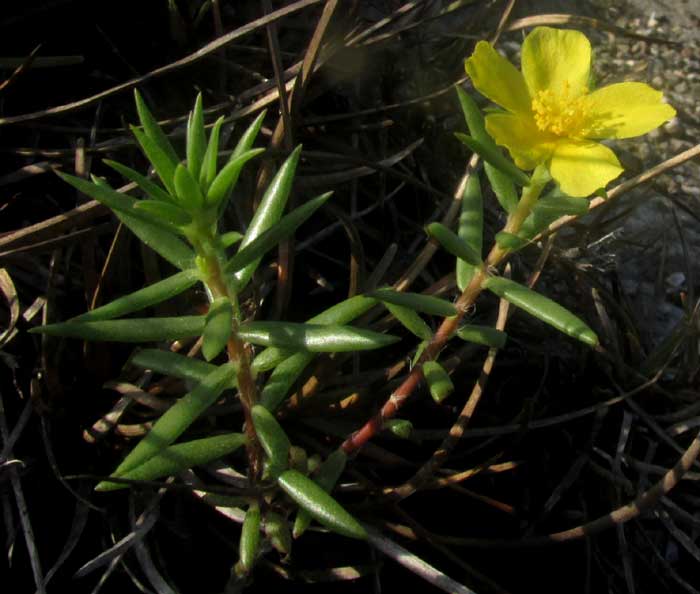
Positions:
{"x": 559, "y": 113}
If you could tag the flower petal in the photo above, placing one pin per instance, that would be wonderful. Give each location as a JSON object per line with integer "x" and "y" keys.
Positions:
{"x": 557, "y": 60}
{"x": 496, "y": 78}
{"x": 581, "y": 167}
{"x": 525, "y": 142}
{"x": 624, "y": 110}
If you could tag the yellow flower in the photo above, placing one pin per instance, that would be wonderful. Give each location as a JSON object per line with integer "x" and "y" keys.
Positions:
{"x": 552, "y": 116}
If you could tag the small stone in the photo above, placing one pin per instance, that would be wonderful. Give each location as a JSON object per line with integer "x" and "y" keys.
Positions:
{"x": 657, "y": 82}
{"x": 673, "y": 127}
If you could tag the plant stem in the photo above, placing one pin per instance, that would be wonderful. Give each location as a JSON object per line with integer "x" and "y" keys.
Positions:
{"x": 450, "y": 325}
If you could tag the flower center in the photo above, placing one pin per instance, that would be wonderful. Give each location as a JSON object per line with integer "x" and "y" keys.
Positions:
{"x": 560, "y": 113}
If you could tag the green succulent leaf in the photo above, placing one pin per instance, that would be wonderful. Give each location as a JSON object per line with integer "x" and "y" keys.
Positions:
{"x": 131, "y": 330}
{"x": 542, "y": 308}
{"x": 175, "y": 421}
{"x": 502, "y": 187}
{"x": 326, "y": 476}
{"x": 178, "y": 458}
{"x": 163, "y": 165}
{"x": 153, "y": 130}
{"x": 289, "y": 366}
{"x": 320, "y": 505}
{"x": 226, "y": 179}
{"x": 410, "y": 320}
{"x": 483, "y": 335}
{"x": 196, "y": 138}
{"x": 143, "y": 298}
{"x": 175, "y": 365}
{"x": 314, "y": 337}
{"x": 282, "y": 378}
{"x": 254, "y": 250}
{"x": 230, "y": 238}
{"x": 218, "y": 327}
{"x": 250, "y": 538}
{"x": 438, "y": 380}
{"x": 549, "y": 208}
{"x": 211, "y": 156}
{"x": 470, "y": 228}
{"x": 272, "y": 438}
{"x": 423, "y": 303}
{"x": 150, "y": 188}
{"x": 473, "y": 117}
{"x": 270, "y": 210}
{"x": 248, "y": 138}
{"x": 454, "y": 244}
{"x": 277, "y": 530}
{"x": 401, "y": 428}
{"x": 493, "y": 155}
{"x": 167, "y": 212}
{"x": 509, "y": 241}
{"x": 187, "y": 189}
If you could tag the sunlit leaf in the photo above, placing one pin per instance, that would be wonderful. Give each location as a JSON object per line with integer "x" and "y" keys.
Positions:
{"x": 509, "y": 241}
{"x": 187, "y": 189}
{"x": 542, "y": 308}
{"x": 165, "y": 211}
{"x": 153, "y": 130}
{"x": 177, "y": 458}
{"x": 410, "y": 320}
{"x": 196, "y": 138}
{"x": 250, "y": 538}
{"x": 417, "y": 302}
{"x": 470, "y": 228}
{"x": 217, "y": 329}
{"x": 269, "y": 210}
{"x": 174, "y": 421}
{"x": 272, "y": 438}
{"x": 150, "y": 188}
{"x": 485, "y": 335}
{"x": 493, "y": 155}
{"x": 143, "y": 298}
{"x": 401, "y": 428}
{"x": 439, "y": 382}
{"x": 130, "y": 330}
{"x": 211, "y": 157}
{"x": 320, "y": 505}
{"x": 226, "y": 179}
{"x": 314, "y": 337}
{"x": 254, "y": 250}
{"x": 174, "y": 365}
{"x": 454, "y": 244}
{"x": 326, "y": 476}
{"x": 163, "y": 165}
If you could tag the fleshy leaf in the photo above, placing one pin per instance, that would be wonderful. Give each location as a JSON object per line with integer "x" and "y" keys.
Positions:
{"x": 253, "y": 251}
{"x": 320, "y": 505}
{"x": 211, "y": 156}
{"x": 454, "y": 244}
{"x": 423, "y": 303}
{"x": 174, "y": 365}
{"x": 325, "y": 477}
{"x": 314, "y": 337}
{"x": 402, "y": 428}
{"x": 410, "y": 320}
{"x": 143, "y": 298}
{"x": 150, "y": 188}
{"x": 250, "y": 538}
{"x": 272, "y": 438}
{"x": 439, "y": 382}
{"x": 130, "y": 330}
{"x": 494, "y": 156}
{"x": 228, "y": 176}
{"x": 270, "y": 210}
{"x": 483, "y": 335}
{"x": 164, "y": 166}
{"x": 178, "y": 418}
{"x": 179, "y": 457}
{"x": 282, "y": 378}
{"x": 187, "y": 189}
{"x": 196, "y": 138}
{"x": 153, "y": 130}
{"x": 542, "y": 308}
{"x": 217, "y": 329}
{"x": 167, "y": 212}
{"x": 509, "y": 241}
{"x": 470, "y": 228}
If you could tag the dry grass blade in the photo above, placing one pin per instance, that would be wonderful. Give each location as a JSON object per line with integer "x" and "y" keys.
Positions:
{"x": 415, "y": 564}
{"x": 182, "y": 62}
{"x": 21, "y": 68}
{"x": 577, "y": 20}
{"x": 7, "y": 287}
{"x": 22, "y": 508}
{"x": 80, "y": 517}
